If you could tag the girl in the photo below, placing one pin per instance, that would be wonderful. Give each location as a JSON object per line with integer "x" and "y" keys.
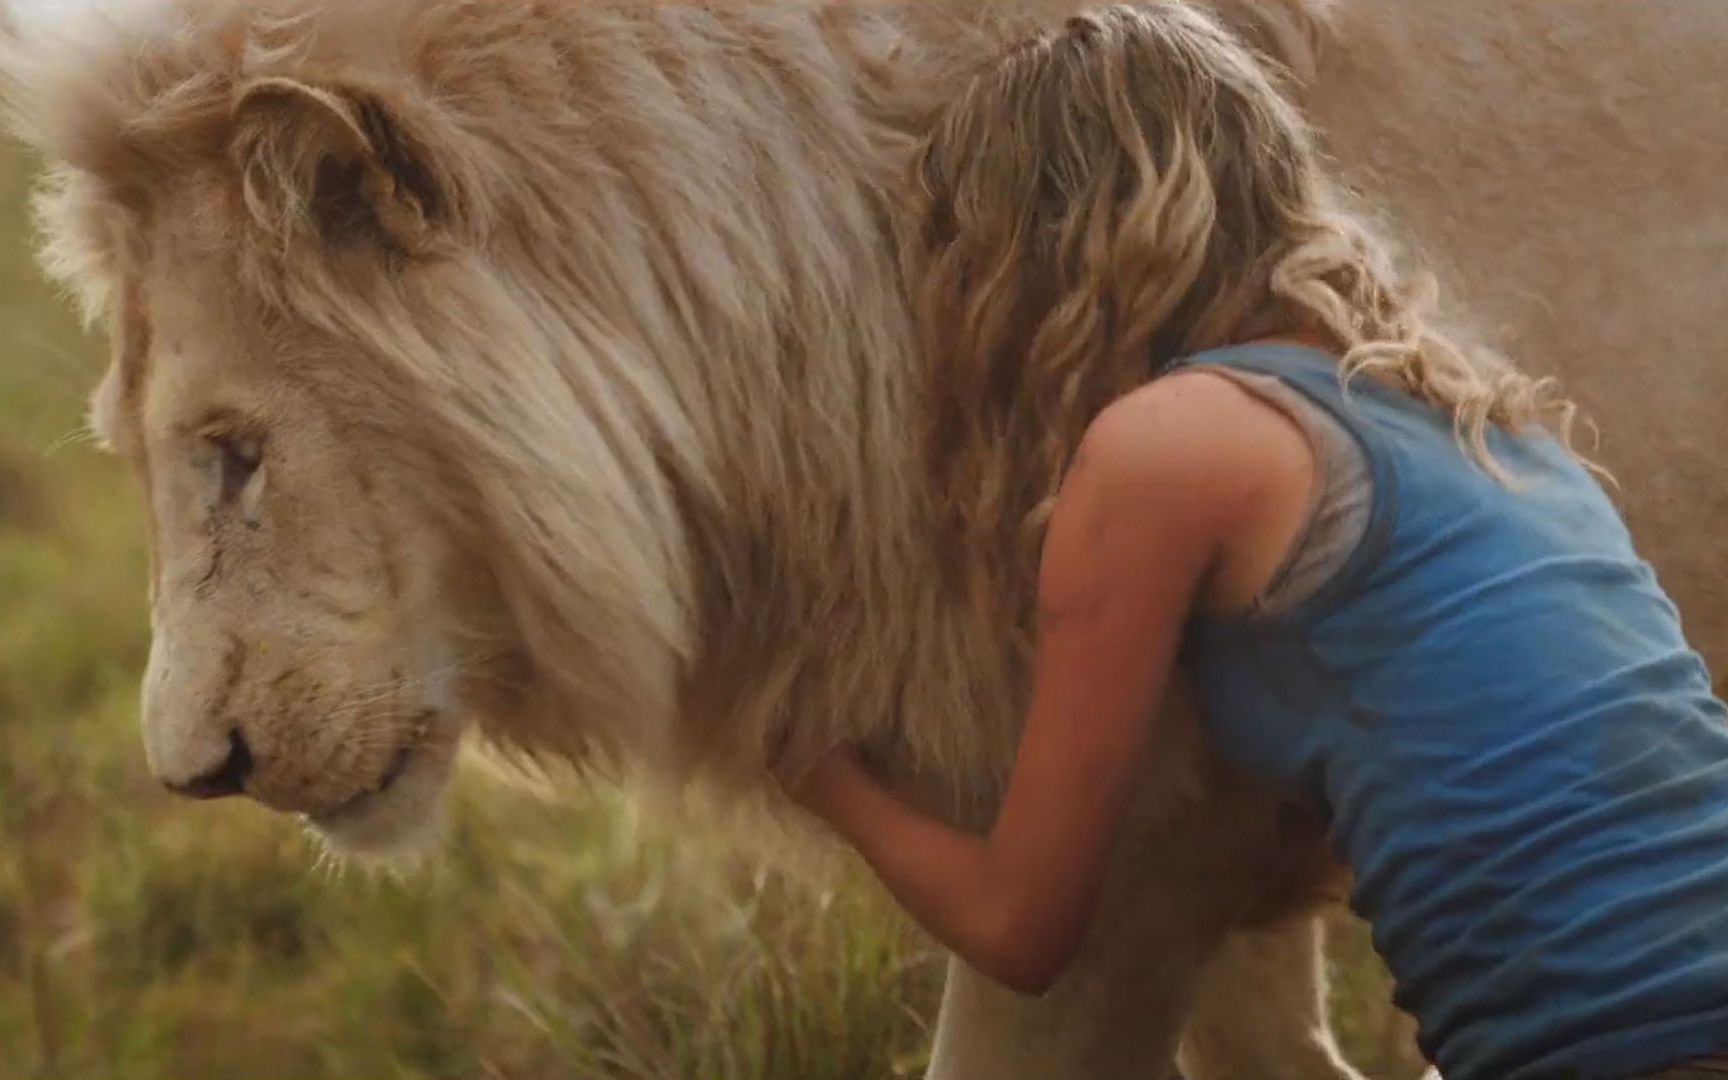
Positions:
{"x": 1397, "y": 592}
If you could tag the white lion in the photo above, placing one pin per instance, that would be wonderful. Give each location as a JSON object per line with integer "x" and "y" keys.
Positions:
{"x": 543, "y": 365}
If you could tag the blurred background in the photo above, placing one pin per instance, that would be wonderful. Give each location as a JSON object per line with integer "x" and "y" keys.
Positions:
{"x": 559, "y": 934}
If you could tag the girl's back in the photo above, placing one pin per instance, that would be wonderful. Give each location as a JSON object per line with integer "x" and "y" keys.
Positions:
{"x": 1491, "y": 701}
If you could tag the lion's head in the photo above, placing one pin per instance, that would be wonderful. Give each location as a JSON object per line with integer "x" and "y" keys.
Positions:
{"x": 544, "y": 366}
{"x": 540, "y": 365}
{"x": 308, "y": 602}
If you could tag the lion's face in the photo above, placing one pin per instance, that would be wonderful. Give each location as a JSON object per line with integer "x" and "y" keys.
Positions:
{"x": 302, "y": 648}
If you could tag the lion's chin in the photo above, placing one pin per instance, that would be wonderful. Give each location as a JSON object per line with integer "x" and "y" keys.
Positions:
{"x": 401, "y": 822}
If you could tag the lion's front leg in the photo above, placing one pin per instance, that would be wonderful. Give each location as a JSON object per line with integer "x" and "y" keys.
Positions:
{"x": 1105, "y": 1030}
{"x": 1176, "y": 885}
{"x": 1115, "y": 1015}
{"x": 1259, "y": 1010}
{"x": 1252, "y": 1010}
{"x": 1201, "y": 853}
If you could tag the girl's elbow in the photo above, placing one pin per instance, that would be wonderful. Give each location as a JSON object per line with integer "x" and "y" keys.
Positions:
{"x": 1028, "y": 963}
{"x": 1032, "y": 980}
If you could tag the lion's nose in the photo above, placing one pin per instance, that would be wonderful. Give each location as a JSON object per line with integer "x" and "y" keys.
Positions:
{"x": 228, "y": 778}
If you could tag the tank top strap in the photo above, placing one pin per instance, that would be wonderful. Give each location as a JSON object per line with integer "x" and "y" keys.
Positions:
{"x": 1355, "y": 491}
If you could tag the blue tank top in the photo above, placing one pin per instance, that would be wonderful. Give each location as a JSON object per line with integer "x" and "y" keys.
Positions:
{"x": 1518, "y": 755}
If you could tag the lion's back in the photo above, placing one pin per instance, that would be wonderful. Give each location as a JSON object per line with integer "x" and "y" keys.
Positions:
{"x": 1562, "y": 166}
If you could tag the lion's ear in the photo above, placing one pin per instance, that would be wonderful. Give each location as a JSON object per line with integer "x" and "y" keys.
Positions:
{"x": 338, "y": 161}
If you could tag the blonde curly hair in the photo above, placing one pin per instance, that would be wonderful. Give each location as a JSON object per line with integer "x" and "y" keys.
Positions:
{"x": 1113, "y": 195}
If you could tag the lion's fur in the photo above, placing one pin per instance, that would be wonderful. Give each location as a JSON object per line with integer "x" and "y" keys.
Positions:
{"x": 637, "y": 286}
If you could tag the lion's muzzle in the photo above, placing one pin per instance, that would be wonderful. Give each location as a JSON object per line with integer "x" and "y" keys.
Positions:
{"x": 228, "y": 778}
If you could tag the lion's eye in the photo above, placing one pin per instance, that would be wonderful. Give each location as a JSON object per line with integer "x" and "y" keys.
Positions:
{"x": 241, "y": 457}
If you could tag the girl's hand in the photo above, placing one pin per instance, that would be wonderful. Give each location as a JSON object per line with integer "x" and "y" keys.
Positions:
{"x": 822, "y": 788}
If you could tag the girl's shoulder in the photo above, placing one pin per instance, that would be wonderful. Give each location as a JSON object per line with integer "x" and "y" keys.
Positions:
{"x": 1196, "y": 451}
{"x": 1200, "y": 430}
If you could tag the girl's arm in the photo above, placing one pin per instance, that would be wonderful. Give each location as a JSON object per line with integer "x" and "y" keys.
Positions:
{"x": 1165, "y": 482}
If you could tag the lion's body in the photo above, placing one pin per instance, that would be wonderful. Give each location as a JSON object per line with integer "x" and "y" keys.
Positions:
{"x": 642, "y": 294}
{"x": 1562, "y": 166}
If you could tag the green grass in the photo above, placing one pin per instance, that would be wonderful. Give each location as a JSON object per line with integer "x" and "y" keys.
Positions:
{"x": 141, "y": 937}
